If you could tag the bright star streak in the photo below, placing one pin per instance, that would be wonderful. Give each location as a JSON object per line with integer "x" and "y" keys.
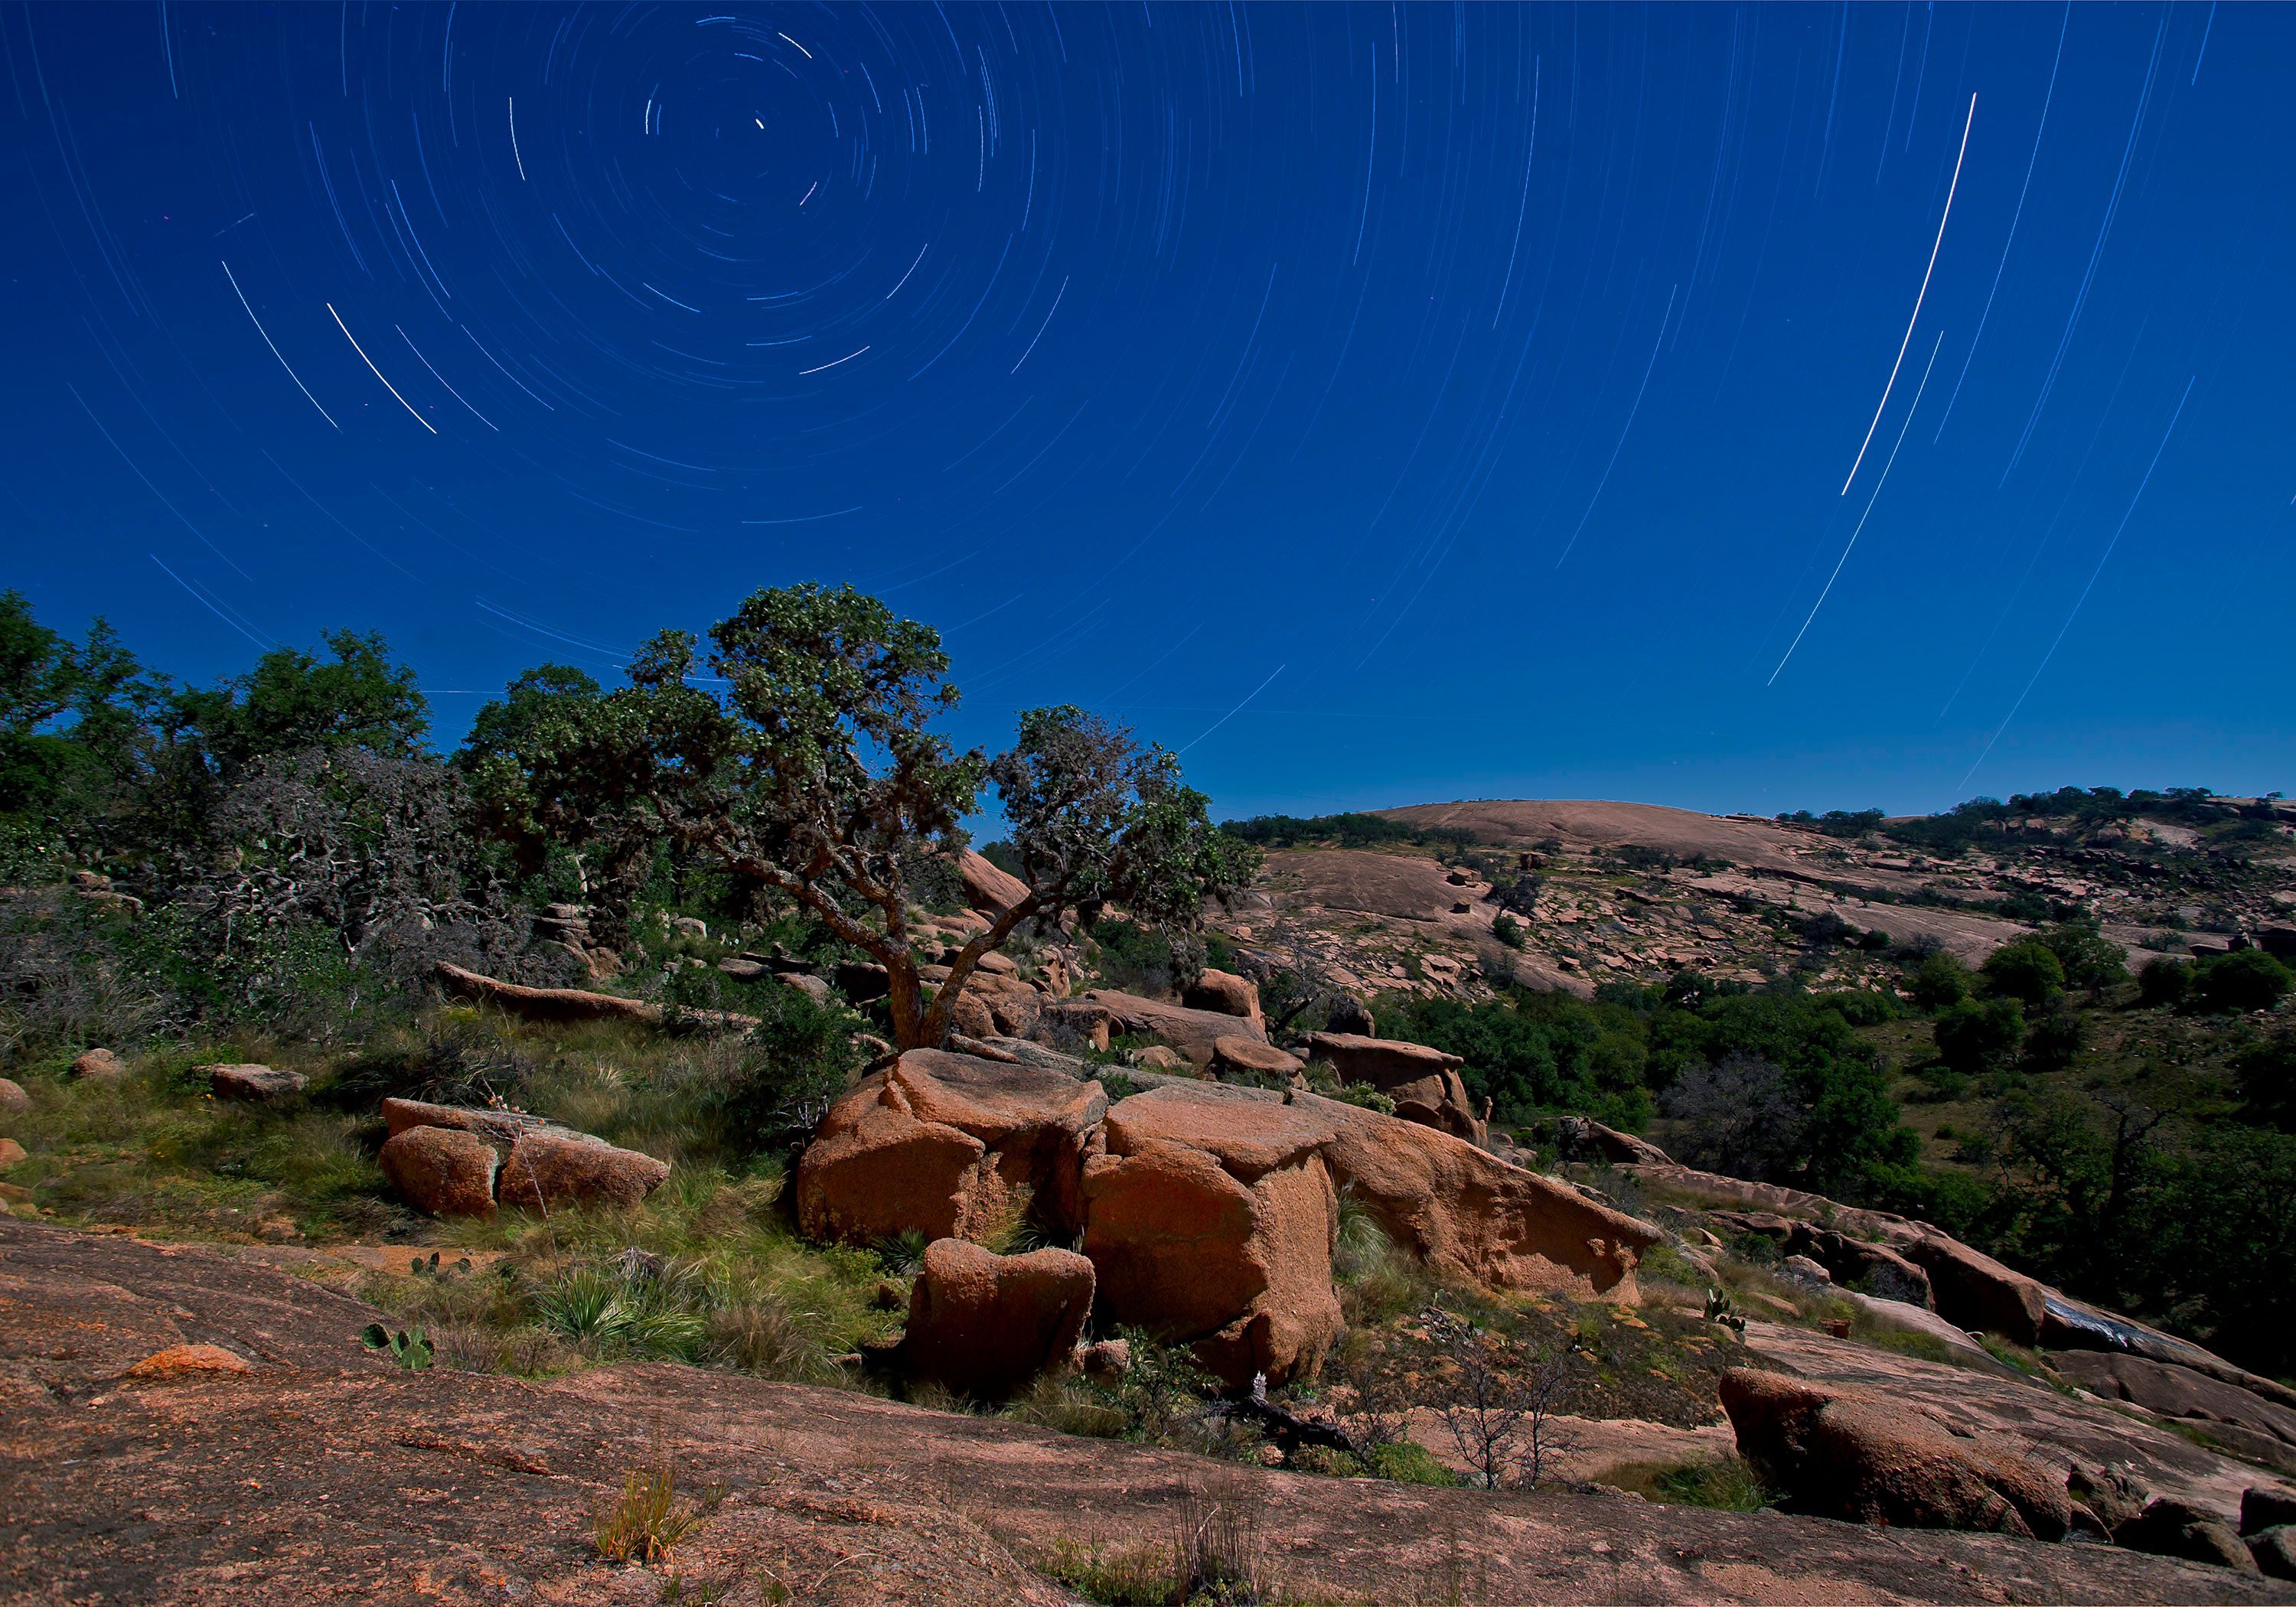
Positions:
{"x": 1918, "y": 299}
{"x": 372, "y": 369}
{"x": 267, "y": 341}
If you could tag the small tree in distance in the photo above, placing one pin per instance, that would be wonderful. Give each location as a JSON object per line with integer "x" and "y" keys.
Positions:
{"x": 815, "y": 772}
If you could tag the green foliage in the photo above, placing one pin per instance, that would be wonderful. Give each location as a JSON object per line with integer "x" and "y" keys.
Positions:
{"x": 1352, "y": 831}
{"x": 2267, "y": 1074}
{"x": 293, "y": 701}
{"x": 2164, "y": 981}
{"x": 1838, "y": 823}
{"x": 2229, "y": 984}
{"x": 1978, "y": 1038}
{"x": 2053, "y": 1041}
{"x": 1508, "y": 930}
{"x": 2091, "y": 961}
{"x": 2026, "y": 971}
{"x": 410, "y": 1348}
{"x": 1536, "y": 1052}
{"x": 646, "y": 1519}
{"x": 1726, "y": 1484}
{"x": 1135, "y": 958}
{"x": 1407, "y": 1461}
{"x": 1940, "y": 980}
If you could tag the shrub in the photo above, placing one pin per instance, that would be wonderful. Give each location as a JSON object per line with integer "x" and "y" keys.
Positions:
{"x": 2026, "y": 971}
{"x": 1940, "y": 980}
{"x": 2091, "y": 961}
{"x": 2251, "y": 979}
{"x": 2055, "y": 1041}
{"x": 1507, "y": 930}
{"x": 646, "y": 1520}
{"x": 1977, "y": 1040}
{"x": 2164, "y": 981}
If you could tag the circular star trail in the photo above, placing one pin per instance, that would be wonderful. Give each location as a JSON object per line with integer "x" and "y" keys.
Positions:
{"x": 1368, "y": 401}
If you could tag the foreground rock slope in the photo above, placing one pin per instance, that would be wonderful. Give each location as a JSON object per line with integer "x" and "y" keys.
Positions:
{"x": 262, "y": 1488}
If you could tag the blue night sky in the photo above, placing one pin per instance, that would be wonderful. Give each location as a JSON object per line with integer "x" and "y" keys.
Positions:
{"x": 1378, "y": 405}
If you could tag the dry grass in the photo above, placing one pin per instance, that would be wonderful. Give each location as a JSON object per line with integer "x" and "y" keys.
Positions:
{"x": 647, "y": 1519}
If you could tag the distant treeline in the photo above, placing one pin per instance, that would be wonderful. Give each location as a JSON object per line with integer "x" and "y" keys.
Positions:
{"x": 1349, "y": 830}
{"x": 1964, "y": 825}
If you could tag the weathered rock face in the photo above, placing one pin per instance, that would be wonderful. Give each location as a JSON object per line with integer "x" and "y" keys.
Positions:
{"x": 2273, "y": 1551}
{"x": 1441, "y": 1101}
{"x": 985, "y": 1325}
{"x": 442, "y": 1170}
{"x": 1975, "y": 1291}
{"x": 1383, "y": 1063}
{"x": 988, "y": 889}
{"x": 1469, "y": 1215}
{"x": 98, "y": 1065}
{"x": 1225, "y": 993}
{"x": 1211, "y": 1224}
{"x": 548, "y": 1171}
{"x": 950, "y": 1146}
{"x": 254, "y": 1083}
{"x": 1193, "y": 1033}
{"x": 2261, "y": 1509}
{"x": 1840, "y": 1453}
{"x": 2179, "y": 1392}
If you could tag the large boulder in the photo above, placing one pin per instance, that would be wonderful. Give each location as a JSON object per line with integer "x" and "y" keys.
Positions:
{"x": 1874, "y": 1268}
{"x": 12, "y": 1096}
{"x": 2170, "y": 1527}
{"x": 98, "y": 1066}
{"x": 1195, "y": 1034}
{"x": 548, "y": 1171}
{"x": 254, "y": 1083}
{"x": 1865, "y": 1459}
{"x": 985, "y": 1325}
{"x": 2273, "y": 1551}
{"x": 2262, "y": 1508}
{"x": 1225, "y": 993}
{"x": 997, "y": 1004}
{"x": 1383, "y": 1063}
{"x": 1471, "y": 1215}
{"x": 1212, "y": 1223}
{"x": 988, "y": 889}
{"x": 1973, "y": 1290}
{"x": 950, "y": 1146}
{"x": 442, "y": 1170}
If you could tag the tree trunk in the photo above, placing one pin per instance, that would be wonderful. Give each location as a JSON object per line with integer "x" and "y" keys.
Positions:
{"x": 904, "y": 1000}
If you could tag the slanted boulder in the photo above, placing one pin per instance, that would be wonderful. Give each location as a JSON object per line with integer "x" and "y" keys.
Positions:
{"x": 1875, "y": 1268}
{"x": 12, "y": 1096}
{"x": 2261, "y": 1509}
{"x": 442, "y": 1170}
{"x": 1973, "y": 1290}
{"x": 1865, "y": 1459}
{"x": 575, "y": 1003}
{"x": 1193, "y": 1033}
{"x": 1248, "y": 1059}
{"x": 1225, "y": 993}
{"x": 1582, "y": 1138}
{"x": 254, "y": 1083}
{"x": 1383, "y": 1063}
{"x": 984, "y": 1325}
{"x": 2180, "y": 1392}
{"x": 548, "y": 1171}
{"x": 1471, "y": 1215}
{"x": 500, "y": 1128}
{"x": 951, "y": 1146}
{"x": 988, "y": 889}
{"x": 1211, "y": 1222}
{"x": 10, "y": 1152}
{"x": 2273, "y": 1551}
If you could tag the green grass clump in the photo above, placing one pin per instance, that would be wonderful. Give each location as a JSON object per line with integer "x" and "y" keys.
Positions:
{"x": 1727, "y": 1484}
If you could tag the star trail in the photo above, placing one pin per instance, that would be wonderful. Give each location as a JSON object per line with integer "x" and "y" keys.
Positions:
{"x": 1245, "y": 373}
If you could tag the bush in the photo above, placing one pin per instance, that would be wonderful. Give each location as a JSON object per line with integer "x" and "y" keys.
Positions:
{"x": 1940, "y": 980}
{"x": 2026, "y": 970}
{"x": 1507, "y": 930}
{"x": 2268, "y": 1081}
{"x": 2164, "y": 981}
{"x": 2091, "y": 961}
{"x": 1978, "y": 1039}
{"x": 2055, "y": 1041}
{"x": 2228, "y": 984}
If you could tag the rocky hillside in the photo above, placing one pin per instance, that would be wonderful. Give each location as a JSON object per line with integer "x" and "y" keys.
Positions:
{"x": 1638, "y": 892}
